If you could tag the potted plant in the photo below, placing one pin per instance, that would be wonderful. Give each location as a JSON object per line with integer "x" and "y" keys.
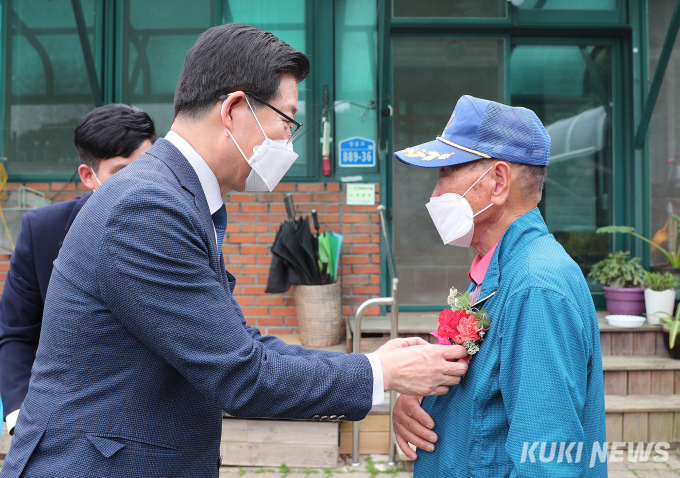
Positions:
{"x": 673, "y": 255}
{"x": 659, "y": 296}
{"x": 671, "y": 326}
{"x": 623, "y": 282}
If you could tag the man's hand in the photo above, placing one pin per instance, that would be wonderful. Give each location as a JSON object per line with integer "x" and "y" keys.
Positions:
{"x": 422, "y": 369}
{"x": 412, "y": 425}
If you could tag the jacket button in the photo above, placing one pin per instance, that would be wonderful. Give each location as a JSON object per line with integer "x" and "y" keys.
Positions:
{"x": 341, "y": 417}
{"x": 333, "y": 418}
{"x": 316, "y": 418}
{"x": 219, "y": 462}
{"x": 324, "y": 418}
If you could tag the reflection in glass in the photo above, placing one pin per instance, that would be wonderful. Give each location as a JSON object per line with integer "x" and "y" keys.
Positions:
{"x": 570, "y": 4}
{"x": 664, "y": 131}
{"x": 48, "y": 91}
{"x": 451, "y": 8}
{"x": 569, "y": 88}
{"x": 430, "y": 75}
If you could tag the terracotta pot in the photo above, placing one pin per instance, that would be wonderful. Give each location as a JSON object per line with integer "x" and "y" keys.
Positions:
{"x": 624, "y": 301}
{"x": 659, "y": 304}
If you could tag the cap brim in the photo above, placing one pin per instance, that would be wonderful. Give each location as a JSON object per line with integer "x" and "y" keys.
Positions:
{"x": 435, "y": 154}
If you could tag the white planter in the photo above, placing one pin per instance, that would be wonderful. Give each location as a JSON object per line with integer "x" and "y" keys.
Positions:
{"x": 659, "y": 304}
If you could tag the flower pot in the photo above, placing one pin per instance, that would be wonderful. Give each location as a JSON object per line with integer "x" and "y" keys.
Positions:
{"x": 675, "y": 351}
{"x": 673, "y": 270}
{"x": 624, "y": 301}
{"x": 659, "y": 304}
{"x": 319, "y": 314}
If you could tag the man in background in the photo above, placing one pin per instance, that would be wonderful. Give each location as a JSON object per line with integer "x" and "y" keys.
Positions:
{"x": 107, "y": 139}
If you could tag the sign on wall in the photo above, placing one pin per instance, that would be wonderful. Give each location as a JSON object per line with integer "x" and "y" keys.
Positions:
{"x": 357, "y": 152}
{"x": 361, "y": 194}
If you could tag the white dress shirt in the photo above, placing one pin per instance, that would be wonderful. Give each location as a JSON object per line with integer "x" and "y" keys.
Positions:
{"x": 213, "y": 196}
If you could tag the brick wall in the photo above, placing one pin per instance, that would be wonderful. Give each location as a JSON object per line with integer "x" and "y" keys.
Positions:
{"x": 253, "y": 222}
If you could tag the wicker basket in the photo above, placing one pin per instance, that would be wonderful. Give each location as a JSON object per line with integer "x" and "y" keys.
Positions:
{"x": 319, "y": 314}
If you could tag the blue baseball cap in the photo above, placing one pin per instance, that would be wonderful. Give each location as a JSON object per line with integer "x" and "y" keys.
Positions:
{"x": 483, "y": 129}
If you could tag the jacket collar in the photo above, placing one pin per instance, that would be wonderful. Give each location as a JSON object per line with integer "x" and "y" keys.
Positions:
{"x": 515, "y": 239}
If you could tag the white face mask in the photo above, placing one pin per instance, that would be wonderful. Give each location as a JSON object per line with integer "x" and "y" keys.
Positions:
{"x": 452, "y": 216}
{"x": 269, "y": 162}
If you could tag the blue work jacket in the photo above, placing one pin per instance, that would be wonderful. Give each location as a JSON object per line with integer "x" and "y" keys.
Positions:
{"x": 532, "y": 401}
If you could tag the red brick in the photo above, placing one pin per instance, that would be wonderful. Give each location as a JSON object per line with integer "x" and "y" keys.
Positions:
{"x": 307, "y": 208}
{"x": 233, "y": 208}
{"x": 254, "y": 228}
{"x": 240, "y": 238}
{"x": 251, "y": 321}
{"x": 354, "y": 218}
{"x": 241, "y": 197}
{"x": 333, "y": 227}
{"x": 63, "y": 187}
{"x": 355, "y": 260}
{"x": 373, "y": 289}
{"x": 233, "y": 228}
{"x": 271, "y": 218}
{"x": 240, "y": 259}
{"x": 303, "y": 187}
{"x": 373, "y": 228}
{"x": 5, "y": 257}
{"x": 290, "y": 300}
{"x": 244, "y": 280}
{"x": 346, "y": 208}
{"x": 243, "y": 217}
{"x": 375, "y": 259}
{"x": 364, "y": 250}
{"x": 253, "y": 290}
{"x": 270, "y": 321}
{"x": 277, "y": 208}
{"x": 265, "y": 260}
{"x": 270, "y": 300}
{"x": 255, "y": 311}
{"x": 256, "y": 270}
{"x": 71, "y": 196}
{"x": 375, "y": 279}
{"x": 262, "y": 279}
{"x": 353, "y": 280}
{"x": 326, "y": 218}
{"x": 369, "y": 209}
{"x": 282, "y": 331}
{"x": 268, "y": 197}
{"x": 292, "y": 321}
{"x": 366, "y": 269}
{"x": 375, "y": 239}
{"x": 346, "y": 310}
{"x": 284, "y": 311}
{"x": 346, "y": 229}
{"x": 302, "y": 198}
{"x": 333, "y": 187}
{"x": 254, "y": 249}
{"x": 356, "y": 239}
{"x": 254, "y": 208}
{"x": 326, "y": 197}
{"x": 245, "y": 301}
{"x": 229, "y": 249}
{"x": 264, "y": 238}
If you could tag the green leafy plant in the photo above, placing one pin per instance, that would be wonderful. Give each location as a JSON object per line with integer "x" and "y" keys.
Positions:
{"x": 673, "y": 256}
{"x": 616, "y": 270}
{"x": 673, "y": 325}
{"x": 660, "y": 282}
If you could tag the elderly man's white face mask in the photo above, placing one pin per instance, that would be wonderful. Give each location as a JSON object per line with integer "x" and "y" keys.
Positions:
{"x": 453, "y": 217}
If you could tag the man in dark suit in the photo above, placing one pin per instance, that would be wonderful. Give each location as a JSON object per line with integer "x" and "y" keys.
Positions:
{"x": 143, "y": 344}
{"x": 107, "y": 139}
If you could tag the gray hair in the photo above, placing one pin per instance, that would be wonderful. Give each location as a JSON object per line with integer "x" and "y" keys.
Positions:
{"x": 531, "y": 179}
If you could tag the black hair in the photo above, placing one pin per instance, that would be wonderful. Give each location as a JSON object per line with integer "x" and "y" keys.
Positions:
{"x": 110, "y": 131}
{"x": 234, "y": 57}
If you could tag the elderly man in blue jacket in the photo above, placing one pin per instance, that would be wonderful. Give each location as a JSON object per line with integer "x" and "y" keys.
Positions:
{"x": 532, "y": 401}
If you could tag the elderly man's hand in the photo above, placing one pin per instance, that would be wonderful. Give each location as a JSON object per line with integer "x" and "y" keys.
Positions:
{"x": 422, "y": 369}
{"x": 402, "y": 342}
{"x": 412, "y": 425}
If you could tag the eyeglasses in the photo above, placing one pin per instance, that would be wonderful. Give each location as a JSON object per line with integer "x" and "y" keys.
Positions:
{"x": 295, "y": 129}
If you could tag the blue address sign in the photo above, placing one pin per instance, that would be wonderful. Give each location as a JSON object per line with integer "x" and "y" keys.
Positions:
{"x": 357, "y": 152}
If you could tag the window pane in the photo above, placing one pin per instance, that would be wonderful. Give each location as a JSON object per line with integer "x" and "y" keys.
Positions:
{"x": 450, "y": 8}
{"x": 286, "y": 20}
{"x": 154, "y": 48}
{"x": 664, "y": 132}
{"x": 569, "y": 88}
{"x": 569, "y": 4}
{"x": 422, "y": 105}
{"x": 48, "y": 86}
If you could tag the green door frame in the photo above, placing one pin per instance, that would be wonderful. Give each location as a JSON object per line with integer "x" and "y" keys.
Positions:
{"x": 628, "y": 208}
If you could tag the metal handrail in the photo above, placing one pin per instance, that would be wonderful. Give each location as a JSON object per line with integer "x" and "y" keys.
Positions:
{"x": 392, "y": 301}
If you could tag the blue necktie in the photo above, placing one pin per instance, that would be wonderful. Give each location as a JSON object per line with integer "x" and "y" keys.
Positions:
{"x": 220, "y": 221}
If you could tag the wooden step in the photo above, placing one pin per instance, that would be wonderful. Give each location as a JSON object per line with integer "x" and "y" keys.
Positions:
{"x": 642, "y": 418}
{"x": 641, "y": 403}
{"x": 418, "y": 324}
{"x": 614, "y": 363}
